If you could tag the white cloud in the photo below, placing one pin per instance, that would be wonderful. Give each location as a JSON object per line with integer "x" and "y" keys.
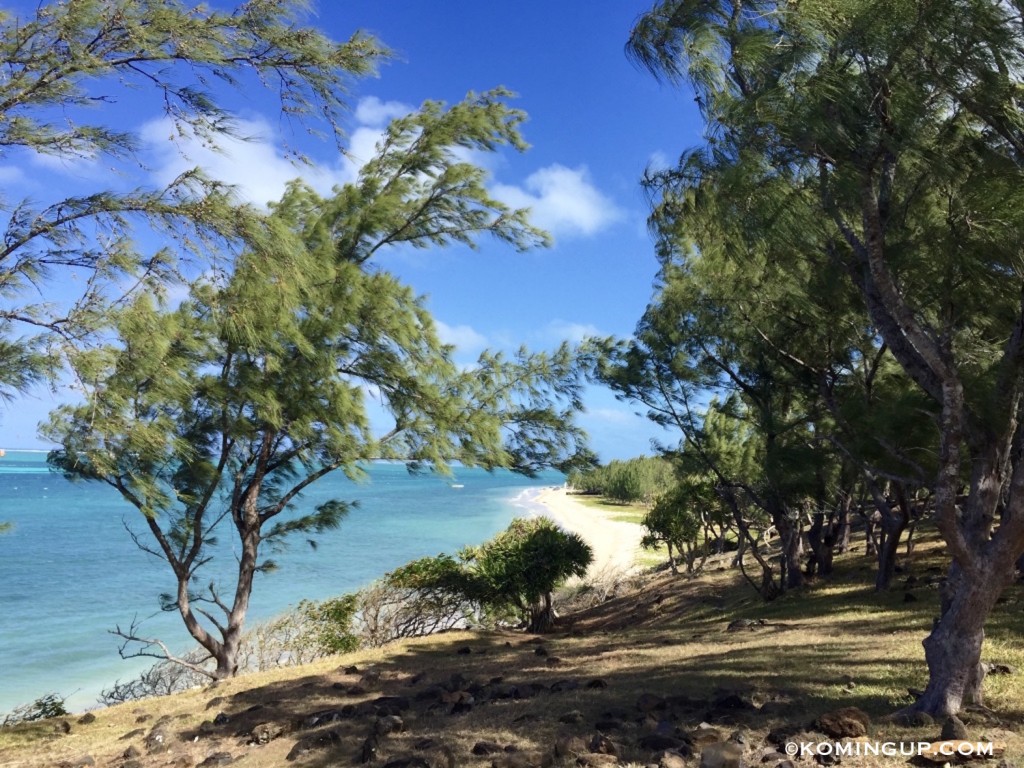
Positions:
{"x": 563, "y": 201}
{"x": 574, "y": 333}
{"x": 374, "y": 112}
{"x": 254, "y": 165}
{"x": 464, "y": 338}
{"x": 613, "y": 416}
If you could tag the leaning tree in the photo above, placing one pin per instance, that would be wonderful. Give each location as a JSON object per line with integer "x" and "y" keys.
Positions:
{"x": 900, "y": 123}
{"x": 216, "y": 415}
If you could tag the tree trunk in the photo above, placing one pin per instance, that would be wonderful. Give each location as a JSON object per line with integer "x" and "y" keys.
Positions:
{"x": 542, "y": 616}
{"x": 953, "y": 649}
{"x": 815, "y": 543}
{"x": 789, "y": 541}
{"x": 842, "y": 534}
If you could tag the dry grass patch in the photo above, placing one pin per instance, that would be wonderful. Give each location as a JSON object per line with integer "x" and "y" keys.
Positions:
{"x": 837, "y": 644}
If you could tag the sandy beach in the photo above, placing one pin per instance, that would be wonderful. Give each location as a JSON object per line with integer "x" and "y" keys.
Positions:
{"x": 615, "y": 543}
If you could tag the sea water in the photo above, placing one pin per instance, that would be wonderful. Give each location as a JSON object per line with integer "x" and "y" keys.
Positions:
{"x": 70, "y": 571}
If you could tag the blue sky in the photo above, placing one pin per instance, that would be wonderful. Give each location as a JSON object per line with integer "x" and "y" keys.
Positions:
{"x": 596, "y": 122}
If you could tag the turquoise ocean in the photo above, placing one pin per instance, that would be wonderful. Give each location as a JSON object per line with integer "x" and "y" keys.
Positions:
{"x": 70, "y": 572}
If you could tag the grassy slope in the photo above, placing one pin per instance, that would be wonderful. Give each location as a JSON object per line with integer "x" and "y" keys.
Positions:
{"x": 836, "y": 645}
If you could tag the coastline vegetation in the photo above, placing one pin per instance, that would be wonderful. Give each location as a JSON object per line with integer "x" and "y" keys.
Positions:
{"x": 836, "y": 341}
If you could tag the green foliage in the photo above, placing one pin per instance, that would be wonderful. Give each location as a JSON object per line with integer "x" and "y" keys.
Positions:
{"x": 329, "y": 624}
{"x": 512, "y": 575}
{"x": 50, "y": 705}
{"x": 66, "y": 57}
{"x": 520, "y": 567}
{"x": 225, "y": 409}
{"x": 641, "y": 479}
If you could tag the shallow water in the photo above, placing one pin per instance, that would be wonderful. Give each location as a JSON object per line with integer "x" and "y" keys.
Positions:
{"x": 69, "y": 571}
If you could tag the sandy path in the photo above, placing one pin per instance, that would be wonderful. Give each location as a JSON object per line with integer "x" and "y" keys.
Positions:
{"x": 615, "y": 543}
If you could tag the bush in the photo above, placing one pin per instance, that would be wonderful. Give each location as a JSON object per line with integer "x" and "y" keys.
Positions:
{"x": 50, "y": 705}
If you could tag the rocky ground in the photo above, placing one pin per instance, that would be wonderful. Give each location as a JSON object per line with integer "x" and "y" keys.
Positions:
{"x": 679, "y": 673}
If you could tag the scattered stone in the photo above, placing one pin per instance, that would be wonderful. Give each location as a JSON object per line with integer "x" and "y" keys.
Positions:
{"x": 87, "y": 719}
{"x": 596, "y": 760}
{"x": 158, "y": 740}
{"x": 608, "y": 724}
{"x": 62, "y": 726}
{"x": 325, "y": 716}
{"x": 315, "y": 741}
{"x": 143, "y": 718}
{"x": 85, "y": 761}
{"x": 383, "y": 726}
{"x": 567, "y": 745}
{"x": 132, "y": 764}
{"x": 914, "y": 719}
{"x": 910, "y": 597}
{"x": 848, "y": 722}
{"x": 352, "y": 670}
{"x": 264, "y": 733}
{"x": 562, "y": 686}
{"x": 133, "y": 734}
{"x": 656, "y": 742}
{"x": 464, "y": 651}
{"x": 540, "y": 650}
{"x": 131, "y": 753}
{"x": 704, "y": 735}
{"x": 356, "y": 690}
{"x": 368, "y": 752}
{"x": 772, "y": 756}
{"x": 733, "y": 700}
{"x": 601, "y": 744}
{"x": 597, "y": 683}
{"x": 648, "y": 702}
{"x": 671, "y": 759}
{"x": 998, "y": 669}
{"x": 221, "y": 719}
{"x": 722, "y": 754}
{"x": 954, "y": 729}
{"x": 829, "y": 758}
{"x": 523, "y": 760}
{"x": 217, "y": 758}
{"x": 572, "y": 718}
{"x": 407, "y": 761}
{"x": 485, "y": 748}
{"x": 553, "y": 661}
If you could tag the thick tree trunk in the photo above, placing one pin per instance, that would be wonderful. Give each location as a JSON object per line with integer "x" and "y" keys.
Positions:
{"x": 953, "y": 649}
{"x": 842, "y": 529}
{"x": 542, "y": 616}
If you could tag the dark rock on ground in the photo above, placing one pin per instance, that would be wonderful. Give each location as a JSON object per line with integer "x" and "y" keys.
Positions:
{"x": 597, "y": 683}
{"x": 561, "y": 686}
{"x": 603, "y": 745}
{"x": 384, "y": 726}
{"x": 648, "y": 702}
{"x": 62, "y": 726}
{"x": 954, "y": 729}
{"x": 485, "y": 748}
{"x": 133, "y": 734}
{"x": 571, "y": 718}
{"x": 848, "y": 722}
{"x": 313, "y": 742}
{"x": 656, "y": 742}
{"x": 608, "y": 724}
{"x": 217, "y": 758}
{"x": 368, "y": 751}
{"x": 87, "y": 719}
{"x": 221, "y": 719}
{"x": 264, "y": 733}
{"x": 85, "y": 761}
{"x": 567, "y": 745}
{"x": 158, "y": 739}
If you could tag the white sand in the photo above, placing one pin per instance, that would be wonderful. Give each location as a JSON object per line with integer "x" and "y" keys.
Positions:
{"x": 615, "y": 543}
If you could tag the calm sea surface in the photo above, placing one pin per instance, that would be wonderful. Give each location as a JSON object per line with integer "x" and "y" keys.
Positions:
{"x": 69, "y": 571}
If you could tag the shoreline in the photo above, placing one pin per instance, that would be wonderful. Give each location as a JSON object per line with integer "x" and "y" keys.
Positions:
{"x": 616, "y": 543}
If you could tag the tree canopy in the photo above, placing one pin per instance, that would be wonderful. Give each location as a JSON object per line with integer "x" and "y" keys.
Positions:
{"x": 220, "y": 412}
{"x": 883, "y": 140}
